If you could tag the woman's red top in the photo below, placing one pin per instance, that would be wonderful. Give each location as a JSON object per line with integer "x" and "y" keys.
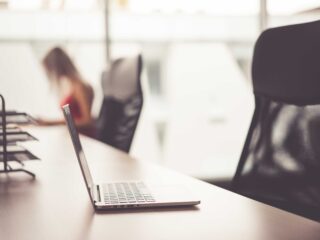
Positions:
{"x": 76, "y": 114}
{"x": 74, "y": 106}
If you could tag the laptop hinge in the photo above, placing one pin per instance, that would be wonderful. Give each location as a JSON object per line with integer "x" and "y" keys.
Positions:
{"x": 96, "y": 193}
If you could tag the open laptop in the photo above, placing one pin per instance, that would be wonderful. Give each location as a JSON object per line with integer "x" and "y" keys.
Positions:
{"x": 127, "y": 194}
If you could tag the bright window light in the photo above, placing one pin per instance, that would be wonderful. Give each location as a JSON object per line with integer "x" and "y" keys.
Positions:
{"x": 216, "y": 7}
{"x": 288, "y": 7}
{"x": 54, "y": 4}
{"x": 80, "y": 4}
{"x": 25, "y": 4}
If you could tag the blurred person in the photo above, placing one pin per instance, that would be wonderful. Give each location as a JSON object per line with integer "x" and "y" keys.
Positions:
{"x": 71, "y": 88}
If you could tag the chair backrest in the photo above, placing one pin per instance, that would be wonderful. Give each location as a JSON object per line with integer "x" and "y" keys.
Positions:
{"x": 122, "y": 103}
{"x": 286, "y": 63}
{"x": 280, "y": 161}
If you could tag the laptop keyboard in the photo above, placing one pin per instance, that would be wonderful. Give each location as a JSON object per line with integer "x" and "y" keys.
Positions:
{"x": 121, "y": 193}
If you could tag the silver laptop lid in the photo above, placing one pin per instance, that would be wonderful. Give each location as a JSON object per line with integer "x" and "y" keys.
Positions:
{"x": 78, "y": 149}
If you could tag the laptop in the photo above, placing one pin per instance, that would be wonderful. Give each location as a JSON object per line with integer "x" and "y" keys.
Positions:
{"x": 125, "y": 194}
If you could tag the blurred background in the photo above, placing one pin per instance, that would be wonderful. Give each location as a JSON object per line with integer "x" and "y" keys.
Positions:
{"x": 197, "y": 57}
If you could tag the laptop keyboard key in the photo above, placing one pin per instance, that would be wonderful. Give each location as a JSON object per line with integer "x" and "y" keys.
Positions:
{"x": 126, "y": 193}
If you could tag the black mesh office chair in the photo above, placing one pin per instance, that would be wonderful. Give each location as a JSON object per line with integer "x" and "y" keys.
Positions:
{"x": 122, "y": 103}
{"x": 280, "y": 162}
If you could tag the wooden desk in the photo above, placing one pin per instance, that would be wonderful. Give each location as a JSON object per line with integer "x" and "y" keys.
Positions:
{"x": 56, "y": 204}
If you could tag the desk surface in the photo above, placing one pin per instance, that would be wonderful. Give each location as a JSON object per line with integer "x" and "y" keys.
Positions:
{"x": 56, "y": 204}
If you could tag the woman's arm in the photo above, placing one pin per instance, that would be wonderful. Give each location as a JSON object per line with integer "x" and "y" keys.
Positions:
{"x": 43, "y": 122}
{"x": 83, "y": 98}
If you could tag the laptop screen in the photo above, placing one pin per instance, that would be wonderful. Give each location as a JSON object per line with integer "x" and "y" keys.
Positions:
{"x": 77, "y": 147}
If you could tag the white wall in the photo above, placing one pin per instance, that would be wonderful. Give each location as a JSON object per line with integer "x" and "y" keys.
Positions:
{"x": 210, "y": 104}
{"x": 23, "y": 82}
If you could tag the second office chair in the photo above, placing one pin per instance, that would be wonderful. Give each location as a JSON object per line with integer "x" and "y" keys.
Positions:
{"x": 122, "y": 103}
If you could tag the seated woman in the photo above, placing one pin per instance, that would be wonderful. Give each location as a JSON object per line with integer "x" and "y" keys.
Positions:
{"x": 71, "y": 88}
